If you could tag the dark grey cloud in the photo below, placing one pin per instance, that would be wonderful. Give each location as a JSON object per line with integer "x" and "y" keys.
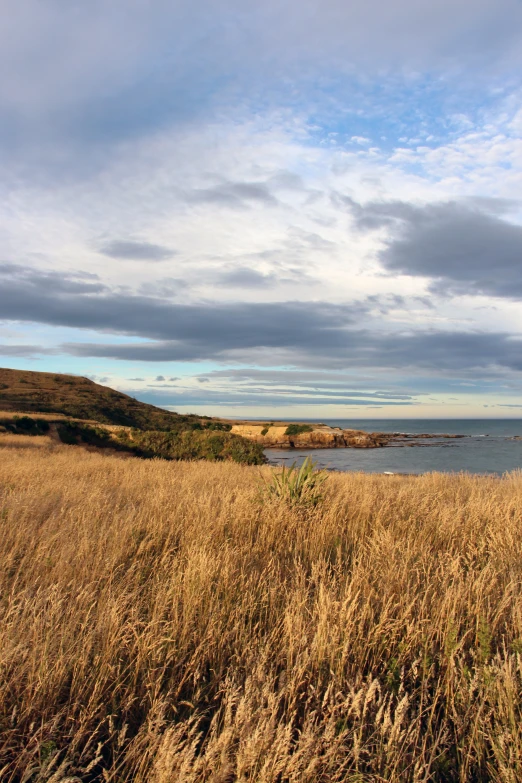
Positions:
{"x": 456, "y": 353}
{"x": 385, "y": 303}
{"x": 462, "y": 247}
{"x": 136, "y": 251}
{"x": 160, "y": 378}
{"x": 51, "y": 282}
{"x": 306, "y": 334}
{"x": 243, "y": 277}
{"x": 219, "y": 326}
{"x": 27, "y": 351}
{"x": 238, "y": 195}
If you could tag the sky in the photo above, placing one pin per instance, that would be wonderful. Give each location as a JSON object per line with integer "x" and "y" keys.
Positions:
{"x": 280, "y": 209}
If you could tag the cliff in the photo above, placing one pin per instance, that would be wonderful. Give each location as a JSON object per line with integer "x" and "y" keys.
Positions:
{"x": 319, "y": 436}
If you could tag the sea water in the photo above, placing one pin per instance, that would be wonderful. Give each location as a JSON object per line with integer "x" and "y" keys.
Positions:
{"x": 488, "y": 446}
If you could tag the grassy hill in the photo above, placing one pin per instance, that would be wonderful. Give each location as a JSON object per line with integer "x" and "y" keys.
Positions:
{"x": 25, "y": 391}
{"x": 89, "y": 408}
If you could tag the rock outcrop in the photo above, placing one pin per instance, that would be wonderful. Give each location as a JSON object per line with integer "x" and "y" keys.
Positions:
{"x": 320, "y": 436}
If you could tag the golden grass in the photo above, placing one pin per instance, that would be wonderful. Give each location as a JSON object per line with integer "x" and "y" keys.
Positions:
{"x": 8, "y": 440}
{"x": 33, "y": 414}
{"x": 158, "y": 624}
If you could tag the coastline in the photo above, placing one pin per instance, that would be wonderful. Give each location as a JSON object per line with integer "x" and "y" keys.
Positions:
{"x": 295, "y": 435}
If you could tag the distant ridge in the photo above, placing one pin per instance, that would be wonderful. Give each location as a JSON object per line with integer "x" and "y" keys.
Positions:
{"x": 26, "y": 391}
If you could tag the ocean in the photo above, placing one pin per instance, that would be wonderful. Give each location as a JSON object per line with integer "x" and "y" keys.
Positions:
{"x": 488, "y": 447}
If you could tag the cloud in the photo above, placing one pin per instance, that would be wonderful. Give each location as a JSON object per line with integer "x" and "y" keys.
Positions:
{"x": 141, "y": 380}
{"x": 163, "y": 287}
{"x": 209, "y": 136}
{"x": 460, "y": 246}
{"x": 220, "y": 325}
{"x": 304, "y": 382}
{"x": 455, "y": 353}
{"x": 321, "y": 334}
{"x": 237, "y": 195}
{"x": 79, "y": 85}
{"x": 54, "y": 283}
{"x": 27, "y": 351}
{"x": 226, "y": 397}
{"x": 160, "y": 378}
{"x": 136, "y": 251}
{"x": 244, "y": 277}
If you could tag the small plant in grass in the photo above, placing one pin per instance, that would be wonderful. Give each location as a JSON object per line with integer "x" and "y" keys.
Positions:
{"x": 297, "y": 486}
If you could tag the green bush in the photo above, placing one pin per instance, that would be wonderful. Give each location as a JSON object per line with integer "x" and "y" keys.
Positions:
{"x": 25, "y": 425}
{"x": 297, "y": 486}
{"x": 297, "y": 429}
{"x": 72, "y": 432}
{"x": 193, "y": 444}
{"x": 218, "y": 426}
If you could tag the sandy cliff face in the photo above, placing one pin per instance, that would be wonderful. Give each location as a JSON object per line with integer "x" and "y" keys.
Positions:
{"x": 320, "y": 437}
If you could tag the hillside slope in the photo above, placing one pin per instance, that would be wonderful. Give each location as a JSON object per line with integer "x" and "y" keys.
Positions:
{"x": 26, "y": 391}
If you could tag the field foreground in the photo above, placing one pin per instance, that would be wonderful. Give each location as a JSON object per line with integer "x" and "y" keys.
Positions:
{"x": 160, "y": 622}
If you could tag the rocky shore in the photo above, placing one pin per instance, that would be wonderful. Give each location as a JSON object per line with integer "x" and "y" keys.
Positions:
{"x": 282, "y": 435}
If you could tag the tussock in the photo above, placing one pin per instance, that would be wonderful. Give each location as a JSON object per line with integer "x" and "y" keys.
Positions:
{"x": 158, "y": 623}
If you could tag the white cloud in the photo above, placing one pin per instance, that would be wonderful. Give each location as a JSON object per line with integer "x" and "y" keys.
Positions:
{"x": 114, "y": 164}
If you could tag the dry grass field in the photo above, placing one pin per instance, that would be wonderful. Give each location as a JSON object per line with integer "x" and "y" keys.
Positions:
{"x": 9, "y": 441}
{"x": 160, "y": 623}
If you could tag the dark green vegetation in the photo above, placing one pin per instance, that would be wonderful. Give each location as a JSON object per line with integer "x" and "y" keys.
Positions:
{"x": 24, "y": 425}
{"x": 194, "y": 444}
{"x": 152, "y": 432}
{"x": 199, "y": 443}
{"x": 297, "y": 429}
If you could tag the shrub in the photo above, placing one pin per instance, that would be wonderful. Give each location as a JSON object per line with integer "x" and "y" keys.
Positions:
{"x": 218, "y": 426}
{"x": 25, "y": 425}
{"x": 297, "y": 486}
{"x": 194, "y": 444}
{"x": 297, "y": 429}
{"x": 72, "y": 432}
